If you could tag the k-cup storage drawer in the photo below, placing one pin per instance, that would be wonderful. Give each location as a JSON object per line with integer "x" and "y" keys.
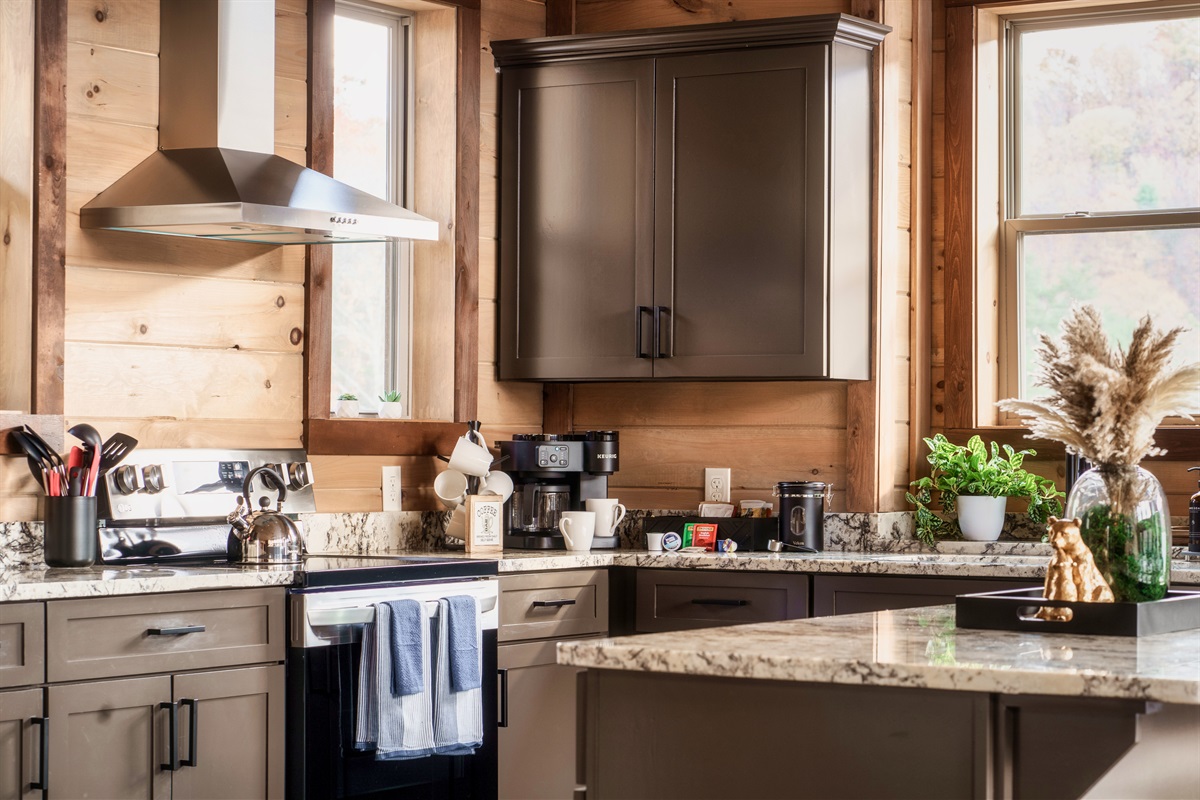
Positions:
{"x": 670, "y": 600}
{"x": 110, "y": 636}
{"x": 22, "y": 648}
{"x": 544, "y": 605}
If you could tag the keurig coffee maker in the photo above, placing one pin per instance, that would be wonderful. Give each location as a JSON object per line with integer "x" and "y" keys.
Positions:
{"x": 553, "y": 473}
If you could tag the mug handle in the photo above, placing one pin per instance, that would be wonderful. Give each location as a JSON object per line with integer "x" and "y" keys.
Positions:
{"x": 563, "y": 524}
{"x": 620, "y": 517}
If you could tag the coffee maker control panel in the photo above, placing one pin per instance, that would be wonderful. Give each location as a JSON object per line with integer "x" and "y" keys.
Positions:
{"x": 553, "y": 456}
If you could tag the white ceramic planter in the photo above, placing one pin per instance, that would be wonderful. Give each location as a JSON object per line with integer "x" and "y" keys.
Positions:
{"x": 391, "y": 410}
{"x": 347, "y": 408}
{"x": 981, "y": 518}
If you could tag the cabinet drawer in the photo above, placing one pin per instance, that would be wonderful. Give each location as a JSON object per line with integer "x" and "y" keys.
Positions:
{"x": 553, "y": 604}
{"x": 669, "y": 600}
{"x": 22, "y": 650}
{"x": 163, "y": 633}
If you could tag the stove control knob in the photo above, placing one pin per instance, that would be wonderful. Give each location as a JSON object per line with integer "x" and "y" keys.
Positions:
{"x": 299, "y": 474}
{"x": 126, "y": 479}
{"x": 154, "y": 478}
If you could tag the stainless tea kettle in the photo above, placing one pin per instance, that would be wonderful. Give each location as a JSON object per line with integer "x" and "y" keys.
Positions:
{"x": 263, "y": 536}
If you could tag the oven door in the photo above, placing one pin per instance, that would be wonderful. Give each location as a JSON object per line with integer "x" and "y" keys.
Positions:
{"x": 323, "y": 692}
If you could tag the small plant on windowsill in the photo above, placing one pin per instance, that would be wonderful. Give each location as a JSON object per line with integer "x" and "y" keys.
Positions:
{"x": 347, "y": 405}
{"x": 973, "y": 475}
{"x": 390, "y": 406}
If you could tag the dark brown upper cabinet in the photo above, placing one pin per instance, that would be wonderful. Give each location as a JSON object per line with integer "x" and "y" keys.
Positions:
{"x": 688, "y": 202}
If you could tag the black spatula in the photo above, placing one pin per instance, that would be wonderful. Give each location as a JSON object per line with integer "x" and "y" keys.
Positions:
{"x": 114, "y": 451}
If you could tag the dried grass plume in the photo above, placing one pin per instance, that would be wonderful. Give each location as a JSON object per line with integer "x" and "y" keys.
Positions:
{"x": 1105, "y": 402}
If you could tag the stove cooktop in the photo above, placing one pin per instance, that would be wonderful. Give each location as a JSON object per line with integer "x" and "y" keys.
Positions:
{"x": 338, "y": 570}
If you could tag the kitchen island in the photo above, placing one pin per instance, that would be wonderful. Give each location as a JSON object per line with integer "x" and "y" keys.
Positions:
{"x": 890, "y": 704}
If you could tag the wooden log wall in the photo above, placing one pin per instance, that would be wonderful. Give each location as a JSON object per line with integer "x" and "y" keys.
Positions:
{"x": 766, "y": 432}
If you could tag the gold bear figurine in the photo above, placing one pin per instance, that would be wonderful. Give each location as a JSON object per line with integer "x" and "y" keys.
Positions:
{"x": 1072, "y": 574}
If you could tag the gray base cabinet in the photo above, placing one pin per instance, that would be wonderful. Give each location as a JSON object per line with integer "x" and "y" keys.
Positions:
{"x": 538, "y": 746}
{"x": 691, "y": 202}
{"x": 855, "y": 594}
{"x": 117, "y": 731}
{"x": 673, "y": 600}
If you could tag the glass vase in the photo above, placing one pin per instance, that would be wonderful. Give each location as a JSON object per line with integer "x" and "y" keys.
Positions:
{"x": 1124, "y": 521}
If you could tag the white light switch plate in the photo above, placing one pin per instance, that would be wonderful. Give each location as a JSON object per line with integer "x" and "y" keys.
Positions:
{"x": 716, "y": 485}
{"x": 391, "y": 489}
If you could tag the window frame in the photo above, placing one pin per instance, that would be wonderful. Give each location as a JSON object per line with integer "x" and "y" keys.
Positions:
{"x": 399, "y": 268}
{"x": 973, "y": 193}
{"x": 1015, "y": 225}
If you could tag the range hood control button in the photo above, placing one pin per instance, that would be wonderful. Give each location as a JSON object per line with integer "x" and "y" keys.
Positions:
{"x": 299, "y": 474}
{"x": 126, "y": 479}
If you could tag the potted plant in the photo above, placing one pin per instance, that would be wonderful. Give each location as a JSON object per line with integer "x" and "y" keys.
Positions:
{"x": 390, "y": 406}
{"x": 347, "y": 405}
{"x": 977, "y": 485}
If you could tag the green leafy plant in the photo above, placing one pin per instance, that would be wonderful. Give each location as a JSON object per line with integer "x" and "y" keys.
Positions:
{"x": 348, "y": 396}
{"x": 390, "y": 397}
{"x": 972, "y": 470}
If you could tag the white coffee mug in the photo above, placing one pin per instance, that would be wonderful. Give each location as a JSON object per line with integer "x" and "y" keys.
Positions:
{"x": 578, "y": 528}
{"x": 457, "y": 527}
{"x": 450, "y": 486}
{"x": 654, "y": 542}
{"x": 609, "y": 514}
{"x": 499, "y": 483}
{"x": 470, "y": 458}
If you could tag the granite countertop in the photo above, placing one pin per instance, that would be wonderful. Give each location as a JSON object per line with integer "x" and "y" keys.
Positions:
{"x": 41, "y": 583}
{"x": 919, "y": 648}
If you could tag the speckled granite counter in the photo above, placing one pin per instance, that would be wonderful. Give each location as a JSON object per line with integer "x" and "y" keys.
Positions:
{"x": 39, "y": 583}
{"x": 914, "y": 648}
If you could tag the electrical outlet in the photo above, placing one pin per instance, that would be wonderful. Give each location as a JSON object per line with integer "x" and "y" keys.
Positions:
{"x": 391, "y": 489}
{"x": 716, "y": 485}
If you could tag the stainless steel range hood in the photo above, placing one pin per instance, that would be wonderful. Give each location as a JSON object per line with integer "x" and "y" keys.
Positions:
{"x": 215, "y": 175}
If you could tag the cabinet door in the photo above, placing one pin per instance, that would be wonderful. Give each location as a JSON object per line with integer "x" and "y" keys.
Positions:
{"x": 238, "y": 718}
{"x": 539, "y": 753}
{"x": 576, "y": 238}
{"x": 674, "y": 600}
{"x": 740, "y": 213}
{"x": 852, "y": 594}
{"x": 110, "y": 739}
{"x": 20, "y": 751}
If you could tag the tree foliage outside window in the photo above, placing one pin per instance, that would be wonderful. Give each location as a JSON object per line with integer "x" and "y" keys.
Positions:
{"x": 1103, "y": 172}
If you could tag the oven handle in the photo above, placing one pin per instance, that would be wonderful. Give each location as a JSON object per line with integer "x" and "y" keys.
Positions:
{"x": 503, "y": 723}
{"x": 357, "y": 615}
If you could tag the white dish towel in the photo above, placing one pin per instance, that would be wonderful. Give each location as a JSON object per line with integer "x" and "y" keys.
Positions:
{"x": 397, "y": 726}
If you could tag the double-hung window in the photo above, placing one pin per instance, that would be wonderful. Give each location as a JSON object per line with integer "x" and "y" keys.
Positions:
{"x": 372, "y": 312}
{"x": 1101, "y": 177}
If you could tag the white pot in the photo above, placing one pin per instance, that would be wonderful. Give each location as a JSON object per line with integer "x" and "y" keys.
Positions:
{"x": 981, "y": 518}
{"x": 347, "y": 408}
{"x": 391, "y": 410}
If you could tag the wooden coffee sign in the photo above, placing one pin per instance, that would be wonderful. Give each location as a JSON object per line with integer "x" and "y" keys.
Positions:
{"x": 485, "y": 523}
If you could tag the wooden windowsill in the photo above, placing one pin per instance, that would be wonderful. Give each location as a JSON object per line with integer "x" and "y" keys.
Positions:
{"x": 375, "y": 437}
{"x": 1182, "y": 442}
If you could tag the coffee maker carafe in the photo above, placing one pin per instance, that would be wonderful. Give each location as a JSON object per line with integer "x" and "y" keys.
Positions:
{"x": 553, "y": 473}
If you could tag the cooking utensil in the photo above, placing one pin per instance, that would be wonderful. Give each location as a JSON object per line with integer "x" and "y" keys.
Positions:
{"x": 263, "y": 536}
{"x": 775, "y": 546}
{"x": 86, "y": 433}
{"x": 56, "y": 472}
{"x": 74, "y": 472}
{"x": 114, "y": 451}
{"x": 32, "y": 457}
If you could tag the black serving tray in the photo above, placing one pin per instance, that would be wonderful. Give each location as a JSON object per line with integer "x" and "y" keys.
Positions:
{"x": 1014, "y": 609}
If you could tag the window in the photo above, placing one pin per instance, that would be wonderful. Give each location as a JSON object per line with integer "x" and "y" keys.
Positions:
{"x": 371, "y": 317}
{"x": 1101, "y": 179}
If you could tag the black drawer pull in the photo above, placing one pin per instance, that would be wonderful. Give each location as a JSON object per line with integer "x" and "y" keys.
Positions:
{"x": 552, "y": 603}
{"x": 43, "y": 781}
{"x": 719, "y": 601}
{"x": 639, "y": 312}
{"x": 180, "y": 631}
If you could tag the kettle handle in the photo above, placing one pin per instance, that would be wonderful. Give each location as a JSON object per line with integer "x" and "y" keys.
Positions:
{"x": 275, "y": 477}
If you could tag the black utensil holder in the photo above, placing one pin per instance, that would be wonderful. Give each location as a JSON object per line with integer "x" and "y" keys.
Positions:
{"x": 70, "y": 532}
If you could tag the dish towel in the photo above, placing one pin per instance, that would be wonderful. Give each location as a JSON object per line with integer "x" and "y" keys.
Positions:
{"x": 398, "y": 726}
{"x": 458, "y": 694}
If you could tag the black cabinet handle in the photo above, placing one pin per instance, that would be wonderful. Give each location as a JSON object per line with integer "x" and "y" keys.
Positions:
{"x": 503, "y": 723}
{"x": 719, "y": 601}
{"x": 659, "y": 335}
{"x": 172, "y": 736}
{"x": 180, "y": 631}
{"x": 552, "y": 603}
{"x": 193, "y": 732}
{"x": 638, "y": 313}
{"x": 43, "y": 781}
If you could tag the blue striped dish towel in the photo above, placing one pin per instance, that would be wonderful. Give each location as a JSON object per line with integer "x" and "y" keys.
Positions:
{"x": 458, "y": 693}
{"x": 398, "y": 726}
